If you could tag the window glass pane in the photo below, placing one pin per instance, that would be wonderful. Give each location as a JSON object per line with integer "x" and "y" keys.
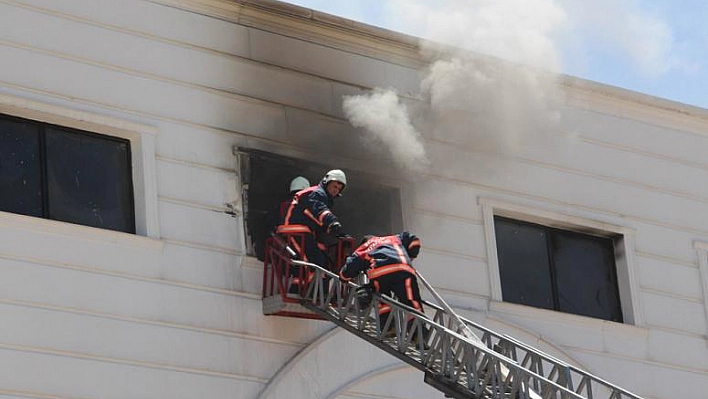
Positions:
{"x": 20, "y": 168}
{"x": 585, "y": 274}
{"x": 523, "y": 263}
{"x": 89, "y": 180}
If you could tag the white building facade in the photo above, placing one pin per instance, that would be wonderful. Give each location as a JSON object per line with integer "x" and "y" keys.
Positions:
{"x": 158, "y": 294}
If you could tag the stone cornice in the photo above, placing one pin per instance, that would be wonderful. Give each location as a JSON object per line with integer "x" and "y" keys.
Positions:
{"x": 634, "y": 105}
{"x": 311, "y": 25}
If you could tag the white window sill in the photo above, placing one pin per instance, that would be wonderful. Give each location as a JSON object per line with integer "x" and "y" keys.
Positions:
{"x": 47, "y": 226}
{"x": 515, "y": 310}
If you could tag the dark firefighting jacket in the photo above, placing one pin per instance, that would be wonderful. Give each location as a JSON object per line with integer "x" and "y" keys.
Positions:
{"x": 310, "y": 208}
{"x": 377, "y": 257}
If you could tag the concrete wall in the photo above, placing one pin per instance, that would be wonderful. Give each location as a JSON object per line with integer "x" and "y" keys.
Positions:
{"x": 175, "y": 310}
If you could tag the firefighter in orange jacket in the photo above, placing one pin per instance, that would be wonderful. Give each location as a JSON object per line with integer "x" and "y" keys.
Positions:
{"x": 387, "y": 263}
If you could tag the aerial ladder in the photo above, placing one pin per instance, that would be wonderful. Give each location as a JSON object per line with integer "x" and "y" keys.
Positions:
{"x": 458, "y": 357}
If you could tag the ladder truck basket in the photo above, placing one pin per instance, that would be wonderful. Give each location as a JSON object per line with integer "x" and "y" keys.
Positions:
{"x": 285, "y": 283}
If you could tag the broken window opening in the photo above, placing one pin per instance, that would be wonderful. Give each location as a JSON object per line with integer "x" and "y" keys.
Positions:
{"x": 365, "y": 207}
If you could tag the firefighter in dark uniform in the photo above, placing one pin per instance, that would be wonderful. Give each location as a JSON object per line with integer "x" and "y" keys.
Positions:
{"x": 387, "y": 263}
{"x": 310, "y": 213}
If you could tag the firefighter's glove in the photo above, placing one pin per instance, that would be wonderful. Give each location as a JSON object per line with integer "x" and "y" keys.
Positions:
{"x": 364, "y": 295}
{"x": 336, "y": 230}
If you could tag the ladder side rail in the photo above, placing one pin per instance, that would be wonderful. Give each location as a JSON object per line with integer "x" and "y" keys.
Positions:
{"x": 596, "y": 384}
{"x": 487, "y": 334}
{"x": 323, "y": 305}
{"x": 541, "y": 363}
{"x": 520, "y": 375}
{"x": 315, "y": 287}
{"x": 403, "y": 338}
{"x": 324, "y": 272}
{"x": 463, "y": 328}
{"x": 582, "y": 376}
{"x": 449, "y": 364}
{"x": 324, "y": 287}
{"x": 517, "y": 379}
{"x": 349, "y": 306}
{"x": 559, "y": 371}
{"x": 567, "y": 375}
{"x": 466, "y": 331}
{"x": 339, "y": 294}
{"x": 578, "y": 379}
{"x": 562, "y": 373}
{"x": 585, "y": 379}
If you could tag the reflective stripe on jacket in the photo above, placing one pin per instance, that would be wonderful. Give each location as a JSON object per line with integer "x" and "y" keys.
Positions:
{"x": 311, "y": 207}
{"x": 377, "y": 257}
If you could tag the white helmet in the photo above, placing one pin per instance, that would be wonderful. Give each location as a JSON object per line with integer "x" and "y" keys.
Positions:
{"x": 299, "y": 183}
{"x": 335, "y": 175}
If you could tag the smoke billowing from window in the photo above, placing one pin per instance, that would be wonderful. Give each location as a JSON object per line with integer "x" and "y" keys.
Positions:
{"x": 491, "y": 83}
{"x": 488, "y": 105}
{"x": 385, "y": 121}
{"x": 487, "y": 87}
{"x": 493, "y": 90}
{"x": 519, "y": 31}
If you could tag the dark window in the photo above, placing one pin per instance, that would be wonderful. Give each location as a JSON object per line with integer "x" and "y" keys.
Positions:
{"x": 557, "y": 269}
{"x": 364, "y": 208}
{"x": 64, "y": 174}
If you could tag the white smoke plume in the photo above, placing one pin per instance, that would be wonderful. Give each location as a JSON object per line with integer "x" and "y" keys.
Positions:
{"x": 547, "y": 33}
{"x": 489, "y": 106}
{"x": 492, "y": 84}
{"x": 385, "y": 120}
{"x": 520, "y": 31}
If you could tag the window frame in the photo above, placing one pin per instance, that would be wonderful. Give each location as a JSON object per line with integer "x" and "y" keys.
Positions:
{"x": 43, "y": 135}
{"x": 624, "y": 242}
{"x": 142, "y": 148}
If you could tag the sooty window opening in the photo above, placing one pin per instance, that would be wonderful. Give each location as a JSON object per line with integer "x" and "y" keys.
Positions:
{"x": 365, "y": 207}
